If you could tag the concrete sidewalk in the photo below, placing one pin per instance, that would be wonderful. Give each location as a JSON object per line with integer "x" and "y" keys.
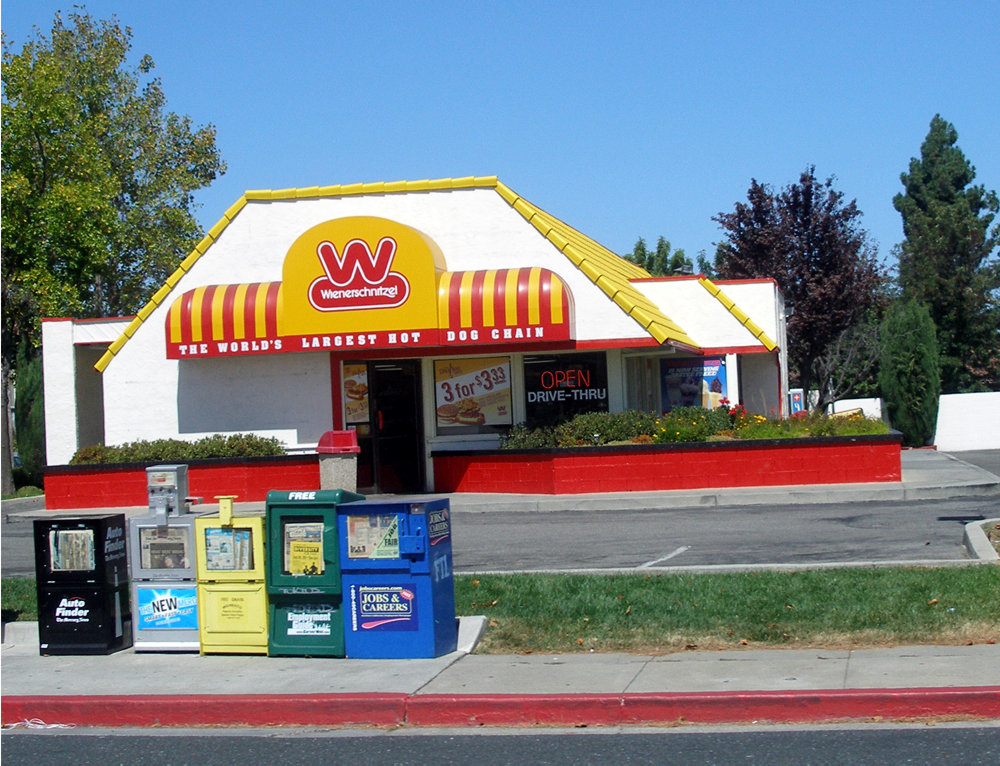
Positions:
{"x": 461, "y": 689}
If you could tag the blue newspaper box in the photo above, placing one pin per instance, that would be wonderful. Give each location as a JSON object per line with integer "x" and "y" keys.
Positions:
{"x": 399, "y": 592}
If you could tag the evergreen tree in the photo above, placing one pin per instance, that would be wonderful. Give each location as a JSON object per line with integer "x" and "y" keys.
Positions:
{"x": 947, "y": 262}
{"x": 910, "y": 375}
{"x": 661, "y": 262}
{"x": 640, "y": 255}
{"x": 29, "y": 416}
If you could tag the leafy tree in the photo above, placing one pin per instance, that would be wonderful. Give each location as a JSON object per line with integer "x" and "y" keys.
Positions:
{"x": 97, "y": 185}
{"x": 945, "y": 260}
{"x": 663, "y": 261}
{"x": 810, "y": 242}
{"x": 910, "y": 375}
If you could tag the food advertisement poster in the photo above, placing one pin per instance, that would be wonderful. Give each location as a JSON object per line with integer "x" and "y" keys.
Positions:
{"x": 356, "y": 393}
{"x": 472, "y": 395}
{"x": 692, "y": 383}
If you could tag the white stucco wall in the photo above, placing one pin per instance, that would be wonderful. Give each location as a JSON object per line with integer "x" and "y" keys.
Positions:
{"x": 60, "y": 339}
{"x": 968, "y": 422}
{"x": 59, "y": 385}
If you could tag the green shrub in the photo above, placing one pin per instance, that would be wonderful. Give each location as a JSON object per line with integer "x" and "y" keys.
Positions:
{"x": 910, "y": 374}
{"x": 684, "y": 424}
{"x": 522, "y": 437}
{"x": 177, "y": 451}
{"x": 604, "y": 428}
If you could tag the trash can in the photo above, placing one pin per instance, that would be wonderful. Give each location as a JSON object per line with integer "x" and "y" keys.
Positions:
{"x": 338, "y": 460}
{"x": 232, "y": 601}
{"x": 399, "y": 592}
{"x": 303, "y": 573}
{"x": 82, "y": 585}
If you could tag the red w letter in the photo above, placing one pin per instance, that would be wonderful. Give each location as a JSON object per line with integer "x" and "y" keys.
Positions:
{"x": 357, "y": 258}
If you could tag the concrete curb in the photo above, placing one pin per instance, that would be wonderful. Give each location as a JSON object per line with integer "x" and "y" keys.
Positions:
{"x": 976, "y": 541}
{"x": 440, "y": 710}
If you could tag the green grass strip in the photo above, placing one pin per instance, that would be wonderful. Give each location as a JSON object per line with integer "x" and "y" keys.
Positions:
{"x": 660, "y": 613}
{"x": 668, "y": 612}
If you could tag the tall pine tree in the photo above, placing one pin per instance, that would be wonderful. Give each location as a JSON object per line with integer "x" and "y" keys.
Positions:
{"x": 947, "y": 259}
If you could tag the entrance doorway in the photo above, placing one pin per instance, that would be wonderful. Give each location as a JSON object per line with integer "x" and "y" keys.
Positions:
{"x": 392, "y": 458}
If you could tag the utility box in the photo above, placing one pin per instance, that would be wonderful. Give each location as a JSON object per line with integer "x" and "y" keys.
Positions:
{"x": 82, "y": 585}
{"x": 303, "y": 573}
{"x": 167, "y": 487}
{"x": 396, "y": 566}
{"x": 232, "y": 600}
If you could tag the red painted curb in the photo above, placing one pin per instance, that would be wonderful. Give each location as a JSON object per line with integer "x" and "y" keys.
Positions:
{"x": 378, "y": 709}
{"x": 513, "y": 709}
{"x": 811, "y": 706}
{"x": 210, "y": 710}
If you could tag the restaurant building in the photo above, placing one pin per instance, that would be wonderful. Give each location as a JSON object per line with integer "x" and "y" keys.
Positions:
{"x": 428, "y": 316}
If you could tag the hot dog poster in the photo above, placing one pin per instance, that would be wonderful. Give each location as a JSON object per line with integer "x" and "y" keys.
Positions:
{"x": 356, "y": 393}
{"x": 472, "y": 394}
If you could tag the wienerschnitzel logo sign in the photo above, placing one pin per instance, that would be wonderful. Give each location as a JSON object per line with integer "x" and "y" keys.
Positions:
{"x": 358, "y": 278}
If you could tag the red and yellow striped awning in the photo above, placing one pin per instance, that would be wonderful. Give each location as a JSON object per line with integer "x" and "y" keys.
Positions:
{"x": 222, "y": 314}
{"x": 504, "y": 304}
{"x": 473, "y": 307}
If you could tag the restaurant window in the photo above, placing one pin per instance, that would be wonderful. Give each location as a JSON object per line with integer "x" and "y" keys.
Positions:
{"x": 472, "y": 396}
{"x": 558, "y": 387}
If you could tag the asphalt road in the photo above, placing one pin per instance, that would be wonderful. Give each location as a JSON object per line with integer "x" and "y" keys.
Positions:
{"x": 805, "y": 535}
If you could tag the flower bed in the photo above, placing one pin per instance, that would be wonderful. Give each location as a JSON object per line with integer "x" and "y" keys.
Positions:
{"x": 701, "y": 465}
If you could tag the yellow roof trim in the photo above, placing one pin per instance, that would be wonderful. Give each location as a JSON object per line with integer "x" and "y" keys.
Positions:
{"x": 737, "y": 312}
{"x": 608, "y": 271}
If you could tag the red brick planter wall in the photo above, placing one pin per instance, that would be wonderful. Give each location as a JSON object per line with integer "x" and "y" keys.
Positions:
{"x": 121, "y": 486}
{"x": 634, "y": 468}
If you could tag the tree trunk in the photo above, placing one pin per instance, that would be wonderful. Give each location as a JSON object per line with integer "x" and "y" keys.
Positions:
{"x": 7, "y": 459}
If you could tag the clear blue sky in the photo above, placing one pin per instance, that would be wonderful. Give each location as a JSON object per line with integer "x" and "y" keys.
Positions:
{"x": 624, "y": 119}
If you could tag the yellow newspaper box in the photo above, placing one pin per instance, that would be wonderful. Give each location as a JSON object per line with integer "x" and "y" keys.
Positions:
{"x": 232, "y": 593}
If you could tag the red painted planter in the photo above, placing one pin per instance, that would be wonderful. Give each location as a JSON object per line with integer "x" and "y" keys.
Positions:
{"x": 124, "y": 485}
{"x": 702, "y": 465}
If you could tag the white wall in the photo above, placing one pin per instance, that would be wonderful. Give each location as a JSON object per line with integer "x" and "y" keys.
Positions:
{"x": 67, "y": 345}
{"x": 968, "y": 422}
{"x": 59, "y": 385}
{"x": 870, "y": 408}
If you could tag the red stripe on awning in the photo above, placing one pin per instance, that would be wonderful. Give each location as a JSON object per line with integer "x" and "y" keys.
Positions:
{"x": 487, "y": 305}
{"x": 208, "y": 315}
